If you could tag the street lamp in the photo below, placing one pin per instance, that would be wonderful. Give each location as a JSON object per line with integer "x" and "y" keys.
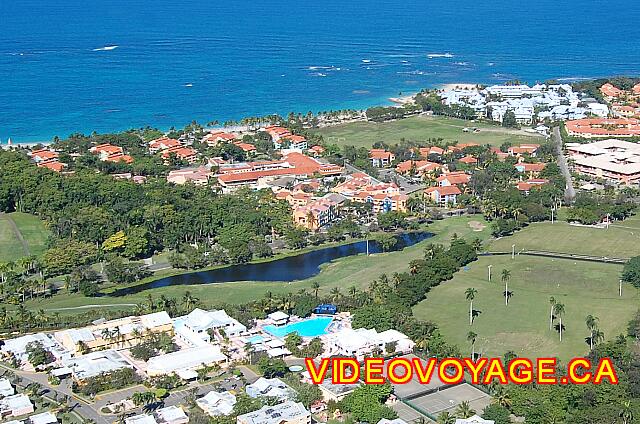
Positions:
{"x": 620, "y": 289}
{"x": 489, "y": 269}
{"x": 513, "y": 251}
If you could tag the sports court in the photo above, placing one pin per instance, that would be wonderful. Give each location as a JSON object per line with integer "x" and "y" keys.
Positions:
{"x": 448, "y": 398}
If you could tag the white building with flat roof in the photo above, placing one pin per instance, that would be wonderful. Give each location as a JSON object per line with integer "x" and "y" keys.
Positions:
{"x": 15, "y": 406}
{"x": 361, "y": 342}
{"x": 6, "y": 389}
{"x": 18, "y": 346}
{"x": 270, "y": 387}
{"x": 474, "y": 420}
{"x": 171, "y": 415}
{"x": 396, "y": 421}
{"x": 44, "y": 418}
{"x": 186, "y": 359}
{"x": 278, "y": 318}
{"x": 96, "y": 363}
{"x": 141, "y": 419}
{"x": 194, "y": 327}
{"x": 216, "y": 404}
{"x": 285, "y": 413}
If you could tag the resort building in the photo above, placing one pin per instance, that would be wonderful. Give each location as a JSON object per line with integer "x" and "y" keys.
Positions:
{"x": 278, "y": 318}
{"x": 162, "y": 144}
{"x": 603, "y": 127}
{"x": 95, "y": 363}
{"x": 316, "y": 150}
{"x": 336, "y": 392}
{"x": 216, "y": 404}
{"x": 610, "y": 92}
{"x": 189, "y": 359}
{"x": 613, "y": 160}
{"x": 197, "y": 176}
{"x": 43, "y": 156}
{"x": 362, "y": 342}
{"x": 110, "y": 153}
{"x": 526, "y": 186}
{"x": 530, "y": 169}
{"x": 115, "y": 334}
{"x": 6, "y": 389}
{"x": 380, "y": 158}
{"x": 18, "y": 347}
{"x": 457, "y": 178}
{"x": 277, "y": 133}
{"x": 443, "y": 195}
{"x": 43, "y": 418}
{"x": 260, "y": 174}
{"x": 417, "y": 167}
{"x": 213, "y": 138}
{"x": 297, "y": 142}
{"x": 523, "y": 149}
{"x": 194, "y": 328}
{"x": 284, "y": 413}
{"x": 318, "y": 213}
{"x": 15, "y": 406}
{"x": 394, "y": 421}
{"x": 270, "y": 387}
{"x": 474, "y": 420}
{"x": 186, "y": 154}
{"x": 171, "y": 415}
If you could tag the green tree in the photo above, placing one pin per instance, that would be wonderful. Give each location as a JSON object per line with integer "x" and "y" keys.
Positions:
{"x": 470, "y": 294}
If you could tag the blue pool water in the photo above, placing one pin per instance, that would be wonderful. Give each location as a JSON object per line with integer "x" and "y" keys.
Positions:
{"x": 312, "y": 327}
{"x": 255, "y": 339}
{"x": 60, "y": 69}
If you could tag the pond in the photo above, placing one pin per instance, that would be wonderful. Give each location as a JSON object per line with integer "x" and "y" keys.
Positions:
{"x": 291, "y": 268}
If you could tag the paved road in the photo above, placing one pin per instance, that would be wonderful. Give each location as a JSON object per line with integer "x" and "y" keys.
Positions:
{"x": 570, "y": 192}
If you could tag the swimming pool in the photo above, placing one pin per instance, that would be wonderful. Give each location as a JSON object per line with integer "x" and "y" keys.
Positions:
{"x": 312, "y": 327}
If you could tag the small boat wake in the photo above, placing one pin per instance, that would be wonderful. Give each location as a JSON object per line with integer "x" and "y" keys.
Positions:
{"x": 105, "y": 48}
{"x": 440, "y": 55}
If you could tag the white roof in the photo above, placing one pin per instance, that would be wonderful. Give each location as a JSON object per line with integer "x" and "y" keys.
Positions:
{"x": 277, "y": 352}
{"x": 15, "y": 402}
{"x": 44, "y": 418}
{"x": 217, "y": 403}
{"x": 200, "y": 320}
{"x": 141, "y": 419}
{"x": 278, "y": 315}
{"x": 95, "y": 363}
{"x": 171, "y": 414}
{"x": 269, "y": 387}
{"x": 396, "y": 421}
{"x": 185, "y": 359}
{"x": 157, "y": 319}
{"x": 6, "y": 389}
{"x": 474, "y": 420}
{"x": 286, "y": 411}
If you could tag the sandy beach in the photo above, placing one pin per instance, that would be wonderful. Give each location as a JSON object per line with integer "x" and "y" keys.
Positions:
{"x": 457, "y": 85}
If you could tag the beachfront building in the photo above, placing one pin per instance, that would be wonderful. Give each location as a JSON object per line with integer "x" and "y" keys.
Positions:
{"x": 603, "y": 128}
{"x": 198, "y": 176}
{"x": 163, "y": 143}
{"x": 110, "y": 153}
{"x": 443, "y": 195}
{"x": 362, "y": 342}
{"x": 194, "y": 329}
{"x": 285, "y": 413}
{"x": 380, "y": 158}
{"x": 214, "y": 138}
{"x": 95, "y": 363}
{"x": 115, "y": 334}
{"x": 614, "y": 160}
{"x": 270, "y": 387}
{"x": 216, "y": 404}
{"x": 15, "y": 406}
{"x": 189, "y": 359}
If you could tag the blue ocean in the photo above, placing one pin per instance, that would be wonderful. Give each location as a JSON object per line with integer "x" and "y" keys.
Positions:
{"x": 104, "y": 65}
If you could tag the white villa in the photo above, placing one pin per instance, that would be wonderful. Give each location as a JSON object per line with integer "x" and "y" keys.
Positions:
{"x": 270, "y": 387}
{"x": 186, "y": 359}
{"x": 362, "y": 342}
{"x": 217, "y": 403}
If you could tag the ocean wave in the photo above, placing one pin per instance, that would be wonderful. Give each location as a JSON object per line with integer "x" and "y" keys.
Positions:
{"x": 361, "y": 92}
{"x": 440, "y": 55}
{"x": 462, "y": 63}
{"x": 105, "y": 48}
{"x": 324, "y": 68}
{"x": 416, "y": 72}
{"x": 569, "y": 79}
{"x": 318, "y": 74}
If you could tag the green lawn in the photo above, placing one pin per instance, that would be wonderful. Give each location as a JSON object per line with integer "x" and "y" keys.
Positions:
{"x": 619, "y": 240}
{"x": 32, "y": 230}
{"x": 343, "y": 273}
{"x": 421, "y": 128}
{"x": 584, "y": 288}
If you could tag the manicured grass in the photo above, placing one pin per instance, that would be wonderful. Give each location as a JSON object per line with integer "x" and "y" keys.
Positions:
{"x": 619, "y": 240}
{"x": 421, "y": 128}
{"x": 356, "y": 271}
{"x": 32, "y": 230}
{"x": 523, "y": 326}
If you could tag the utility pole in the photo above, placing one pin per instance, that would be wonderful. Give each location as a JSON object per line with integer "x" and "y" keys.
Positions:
{"x": 620, "y": 289}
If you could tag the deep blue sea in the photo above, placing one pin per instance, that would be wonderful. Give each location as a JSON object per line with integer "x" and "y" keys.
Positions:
{"x": 179, "y": 60}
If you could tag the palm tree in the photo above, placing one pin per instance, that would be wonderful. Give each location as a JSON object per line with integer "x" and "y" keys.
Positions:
{"x": 592, "y": 325}
{"x": 471, "y": 337}
{"x": 189, "y": 300}
{"x": 501, "y": 397}
{"x": 464, "y": 410}
{"x": 506, "y": 275}
{"x": 626, "y": 412}
{"x": 470, "y": 294}
{"x": 446, "y": 418}
{"x": 476, "y": 244}
{"x": 552, "y": 301}
{"x": 597, "y": 337}
{"x": 335, "y": 294}
{"x": 558, "y": 312}
{"x": 315, "y": 286}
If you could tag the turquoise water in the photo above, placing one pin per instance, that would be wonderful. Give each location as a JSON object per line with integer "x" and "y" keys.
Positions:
{"x": 175, "y": 61}
{"x": 255, "y": 339}
{"x": 312, "y": 327}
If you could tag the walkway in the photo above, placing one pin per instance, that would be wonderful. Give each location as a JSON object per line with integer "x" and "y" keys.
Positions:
{"x": 570, "y": 192}
{"x": 562, "y": 255}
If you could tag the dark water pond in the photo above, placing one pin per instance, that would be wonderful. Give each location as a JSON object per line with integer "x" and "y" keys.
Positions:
{"x": 292, "y": 268}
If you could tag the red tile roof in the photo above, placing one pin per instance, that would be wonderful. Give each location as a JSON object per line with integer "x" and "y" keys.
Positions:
{"x": 54, "y": 166}
{"x": 469, "y": 160}
{"x": 444, "y": 191}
